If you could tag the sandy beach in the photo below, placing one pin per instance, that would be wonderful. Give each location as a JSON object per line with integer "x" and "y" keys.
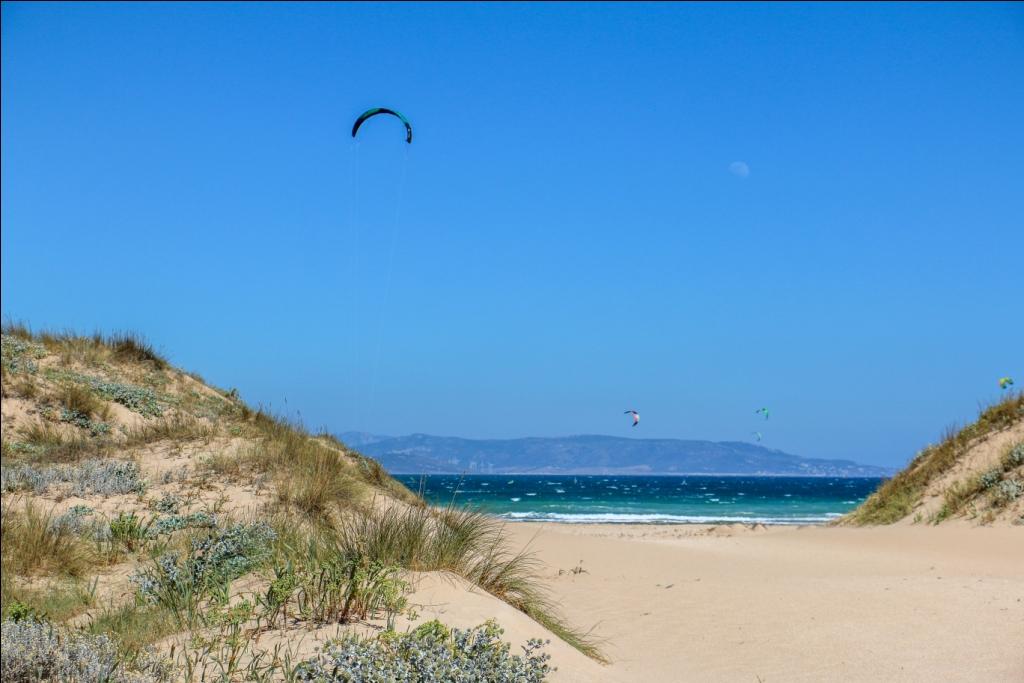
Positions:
{"x": 697, "y": 603}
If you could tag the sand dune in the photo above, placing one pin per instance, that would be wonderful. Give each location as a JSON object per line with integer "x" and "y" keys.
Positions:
{"x": 688, "y": 603}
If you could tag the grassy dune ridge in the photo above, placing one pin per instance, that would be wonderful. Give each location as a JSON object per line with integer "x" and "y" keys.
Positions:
{"x": 144, "y": 506}
{"x": 989, "y": 493}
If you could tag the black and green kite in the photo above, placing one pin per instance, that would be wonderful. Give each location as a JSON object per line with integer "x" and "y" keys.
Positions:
{"x": 381, "y": 110}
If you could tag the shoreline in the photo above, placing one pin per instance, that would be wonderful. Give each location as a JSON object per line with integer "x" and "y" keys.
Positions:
{"x": 699, "y": 522}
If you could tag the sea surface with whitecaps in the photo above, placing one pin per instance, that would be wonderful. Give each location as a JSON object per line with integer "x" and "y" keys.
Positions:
{"x": 649, "y": 499}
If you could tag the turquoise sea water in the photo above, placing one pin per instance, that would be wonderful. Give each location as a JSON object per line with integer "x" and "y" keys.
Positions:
{"x": 668, "y": 499}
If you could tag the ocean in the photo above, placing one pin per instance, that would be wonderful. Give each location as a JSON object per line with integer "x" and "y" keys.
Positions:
{"x": 648, "y": 499}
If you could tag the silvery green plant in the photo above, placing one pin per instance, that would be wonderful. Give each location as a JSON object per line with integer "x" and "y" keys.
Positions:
{"x": 17, "y": 355}
{"x": 430, "y": 653}
{"x": 1016, "y": 457}
{"x": 76, "y": 520}
{"x": 96, "y": 428}
{"x": 90, "y": 477}
{"x": 990, "y": 478}
{"x": 215, "y": 558}
{"x": 168, "y": 524}
{"x": 169, "y": 504}
{"x": 34, "y": 651}
{"x": 137, "y": 399}
{"x": 1008, "y": 491}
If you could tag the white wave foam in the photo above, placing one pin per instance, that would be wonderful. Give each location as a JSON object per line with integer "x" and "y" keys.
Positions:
{"x": 626, "y": 518}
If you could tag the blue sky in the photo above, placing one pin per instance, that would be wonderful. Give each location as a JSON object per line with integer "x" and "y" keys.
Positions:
{"x": 574, "y": 234}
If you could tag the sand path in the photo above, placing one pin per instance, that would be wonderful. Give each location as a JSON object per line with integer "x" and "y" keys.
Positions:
{"x": 784, "y": 604}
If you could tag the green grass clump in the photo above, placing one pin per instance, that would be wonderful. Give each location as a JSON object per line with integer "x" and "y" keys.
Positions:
{"x": 896, "y": 498}
{"x": 58, "y": 601}
{"x": 465, "y": 542}
{"x": 133, "y": 627}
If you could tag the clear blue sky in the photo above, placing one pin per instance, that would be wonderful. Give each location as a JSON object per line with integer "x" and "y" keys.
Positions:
{"x": 576, "y": 235}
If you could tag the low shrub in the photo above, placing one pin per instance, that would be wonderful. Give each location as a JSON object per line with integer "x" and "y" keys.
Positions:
{"x": 18, "y": 354}
{"x": 1008, "y": 491}
{"x": 430, "y": 653}
{"x": 1014, "y": 457}
{"x": 137, "y": 399}
{"x": 90, "y": 477}
{"x": 990, "y": 478}
{"x": 35, "y": 652}
{"x": 95, "y": 427}
{"x": 168, "y": 524}
{"x": 215, "y": 558}
{"x": 76, "y": 520}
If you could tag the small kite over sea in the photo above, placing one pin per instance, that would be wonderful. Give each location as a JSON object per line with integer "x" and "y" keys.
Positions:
{"x": 636, "y": 416}
{"x": 1005, "y": 382}
{"x": 381, "y": 110}
{"x": 762, "y": 411}
{"x": 757, "y": 435}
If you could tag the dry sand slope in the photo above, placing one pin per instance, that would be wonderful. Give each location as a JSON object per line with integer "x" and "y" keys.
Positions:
{"x": 782, "y": 604}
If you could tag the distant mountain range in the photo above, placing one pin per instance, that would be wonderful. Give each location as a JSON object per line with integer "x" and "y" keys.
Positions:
{"x": 591, "y": 454}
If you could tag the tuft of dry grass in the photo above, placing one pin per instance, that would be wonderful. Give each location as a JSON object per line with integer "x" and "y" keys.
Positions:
{"x": 310, "y": 476}
{"x": 31, "y": 543}
{"x": 896, "y": 498}
{"x": 315, "y": 474}
{"x": 92, "y": 349}
{"x": 52, "y": 445}
{"x": 175, "y": 427}
{"x": 129, "y": 346}
{"x": 81, "y": 400}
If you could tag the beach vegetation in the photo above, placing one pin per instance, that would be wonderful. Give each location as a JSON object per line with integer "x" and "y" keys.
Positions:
{"x": 334, "y": 542}
{"x": 104, "y": 477}
{"x": 896, "y": 498}
{"x": 35, "y": 651}
{"x": 33, "y": 543}
{"x": 432, "y": 652}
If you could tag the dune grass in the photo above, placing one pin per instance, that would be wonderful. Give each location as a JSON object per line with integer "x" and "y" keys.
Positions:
{"x": 177, "y": 427}
{"x": 134, "y": 627}
{"x": 78, "y": 399}
{"x": 465, "y": 542}
{"x": 896, "y": 498}
{"x": 57, "y": 601}
{"x": 128, "y": 346}
{"x": 90, "y": 349}
{"x": 336, "y": 508}
{"x": 33, "y": 544}
{"x": 964, "y": 493}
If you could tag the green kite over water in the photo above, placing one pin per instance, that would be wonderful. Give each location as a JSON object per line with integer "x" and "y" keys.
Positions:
{"x": 381, "y": 110}
{"x": 762, "y": 411}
